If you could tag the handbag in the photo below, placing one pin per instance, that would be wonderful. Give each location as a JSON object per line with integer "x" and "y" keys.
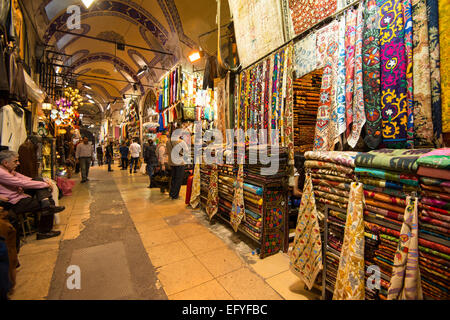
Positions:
{"x": 189, "y": 113}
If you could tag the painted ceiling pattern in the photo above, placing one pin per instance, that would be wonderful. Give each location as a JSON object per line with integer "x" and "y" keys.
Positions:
{"x": 172, "y": 26}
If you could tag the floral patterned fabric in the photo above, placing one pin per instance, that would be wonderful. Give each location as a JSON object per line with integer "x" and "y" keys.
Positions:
{"x": 408, "y": 32}
{"x": 393, "y": 73}
{"x": 405, "y": 282}
{"x": 195, "y": 196}
{"x": 444, "y": 43}
{"x": 238, "y": 210}
{"x": 371, "y": 75}
{"x": 305, "y": 56}
{"x": 423, "y": 119}
{"x": 306, "y": 13}
{"x": 213, "y": 194}
{"x": 350, "y": 280}
{"x": 306, "y": 255}
{"x": 344, "y": 158}
{"x": 341, "y": 125}
{"x": 350, "y": 42}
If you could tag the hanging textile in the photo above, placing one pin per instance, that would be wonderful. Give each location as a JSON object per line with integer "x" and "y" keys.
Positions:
{"x": 444, "y": 43}
{"x": 340, "y": 83}
{"x": 289, "y": 110}
{"x": 238, "y": 210}
{"x": 350, "y": 280}
{"x": 306, "y": 14}
{"x": 350, "y": 42}
{"x": 305, "y": 55}
{"x": 433, "y": 40}
{"x": 195, "y": 195}
{"x": 393, "y": 74}
{"x": 423, "y": 120}
{"x": 405, "y": 282}
{"x": 222, "y": 105}
{"x": 359, "y": 116}
{"x": 213, "y": 194}
{"x": 327, "y": 41}
{"x": 408, "y": 32}
{"x": 275, "y": 84}
{"x": 371, "y": 75}
{"x": 306, "y": 254}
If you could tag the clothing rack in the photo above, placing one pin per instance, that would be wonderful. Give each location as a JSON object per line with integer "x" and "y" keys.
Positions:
{"x": 305, "y": 33}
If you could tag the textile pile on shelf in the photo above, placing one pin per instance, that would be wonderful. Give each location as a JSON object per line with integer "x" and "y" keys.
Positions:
{"x": 434, "y": 223}
{"x": 306, "y": 103}
{"x": 388, "y": 176}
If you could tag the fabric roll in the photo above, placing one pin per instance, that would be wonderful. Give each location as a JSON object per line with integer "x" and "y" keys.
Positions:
{"x": 306, "y": 255}
{"x": 350, "y": 282}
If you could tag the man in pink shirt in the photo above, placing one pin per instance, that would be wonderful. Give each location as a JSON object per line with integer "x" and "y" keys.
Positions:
{"x": 26, "y": 195}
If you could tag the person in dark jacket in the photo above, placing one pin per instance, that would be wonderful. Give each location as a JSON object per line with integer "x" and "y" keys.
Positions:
{"x": 150, "y": 159}
{"x": 124, "y": 150}
{"x": 109, "y": 155}
{"x": 100, "y": 155}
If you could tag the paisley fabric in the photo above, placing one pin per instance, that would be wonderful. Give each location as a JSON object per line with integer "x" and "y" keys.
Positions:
{"x": 305, "y": 55}
{"x": 327, "y": 41}
{"x": 393, "y": 73}
{"x": 306, "y": 254}
{"x": 331, "y": 184}
{"x": 341, "y": 125}
{"x": 423, "y": 119}
{"x": 213, "y": 194}
{"x": 350, "y": 42}
{"x": 328, "y": 165}
{"x": 359, "y": 116}
{"x": 238, "y": 210}
{"x": 371, "y": 75}
{"x": 405, "y": 283}
{"x": 407, "y": 179}
{"x": 195, "y": 196}
{"x": 444, "y": 43}
{"x": 433, "y": 41}
{"x": 408, "y": 31}
{"x": 344, "y": 158}
{"x": 350, "y": 280}
{"x": 306, "y": 13}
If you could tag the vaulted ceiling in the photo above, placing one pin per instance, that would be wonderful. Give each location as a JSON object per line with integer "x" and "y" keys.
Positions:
{"x": 171, "y": 26}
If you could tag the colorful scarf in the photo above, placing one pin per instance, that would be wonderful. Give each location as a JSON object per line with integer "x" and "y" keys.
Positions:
{"x": 350, "y": 280}
{"x": 423, "y": 120}
{"x": 359, "y": 116}
{"x": 340, "y": 84}
{"x": 238, "y": 210}
{"x": 433, "y": 40}
{"x": 306, "y": 254}
{"x": 408, "y": 23}
{"x": 371, "y": 72}
{"x": 213, "y": 194}
{"x": 393, "y": 73}
{"x": 405, "y": 281}
{"x": 350, "y": 42}
{"x": 305, "y": 56}
{"x": 444, "y": 42}
{"x": 195, "y": 196}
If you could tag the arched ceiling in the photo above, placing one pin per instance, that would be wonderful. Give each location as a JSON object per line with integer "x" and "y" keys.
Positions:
{"x": 172, "y": 26}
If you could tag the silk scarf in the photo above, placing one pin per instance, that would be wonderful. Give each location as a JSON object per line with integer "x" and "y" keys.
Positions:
{"x": 371, "y": 75}
{"x": 238, "y": 210}
{"x": 350, "y": 280}
{"x": 195, "y": 196}
{"x": 340, "y": 83}
{"x": 359, "y": 116}
{"x": 405, "y": 282}
{"x": 423, "y": 119}
{"x": 350, "y": 42}
{"x": 444, "y": 42}
{"x": 306, "y": 254}
{"x": 393, "y": 73}
{"x": 213, "y": 194}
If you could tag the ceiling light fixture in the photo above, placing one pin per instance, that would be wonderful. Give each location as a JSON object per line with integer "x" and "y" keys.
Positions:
{"x": 88, "y": 96}
{"x": 142, "y": 71}
{"x": 87, "y": 87}
{"x": 87, "y": 3}
{"x": 196, "y": 55}
{"x": 92, "y": 101}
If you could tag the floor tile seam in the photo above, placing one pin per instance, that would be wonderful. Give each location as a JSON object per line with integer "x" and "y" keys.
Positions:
{"x": 203, "y": 252}
{"x": 148, "y": 247}
{"x": 203, "y": 284}
{"x": 173, "y": 262}
{"x": 189, "y": 287}
{"x": 216, "y": 277}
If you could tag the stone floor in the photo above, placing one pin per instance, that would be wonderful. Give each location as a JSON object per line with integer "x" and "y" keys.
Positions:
{"x": 131, "y": 242}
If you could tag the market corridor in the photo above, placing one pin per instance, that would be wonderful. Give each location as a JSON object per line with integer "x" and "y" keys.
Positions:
{"x": 131, "y": 242}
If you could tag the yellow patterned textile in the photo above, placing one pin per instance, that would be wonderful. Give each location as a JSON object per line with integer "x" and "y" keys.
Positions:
{"x": 444, "y": 39}
{"x": 195, "y": 196}
{"x": 306, "y": 255}
{"x": 350, "y": 280}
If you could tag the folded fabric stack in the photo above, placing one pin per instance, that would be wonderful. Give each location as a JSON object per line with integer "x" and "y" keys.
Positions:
{"x": 306, "y": 103}
{"x": 277, "y": 158}
{"x": 388, "y": 177}
{"x": 332, "y": 173}
{"x": 434, "y": 223}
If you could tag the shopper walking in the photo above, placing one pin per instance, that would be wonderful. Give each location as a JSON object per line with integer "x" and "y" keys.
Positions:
{"x": 177, "y": 164}
{"x": 109, "y": 155}
{"x": 135, "y": 150}
{"x": 150, "y": 159}
{"x": 124, "y": 151}
{"x": 84, "y": 157}
{"x": 163, "y": 163}
{"x": 99, "y": 155}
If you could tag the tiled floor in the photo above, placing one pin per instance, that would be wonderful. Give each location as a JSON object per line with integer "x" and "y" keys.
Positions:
{"x": 193, "y": 258}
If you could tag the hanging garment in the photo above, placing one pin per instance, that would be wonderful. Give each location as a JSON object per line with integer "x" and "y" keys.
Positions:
{"x": 289, "y": 107}
{"x": 28, "y": 159}
{"x": 444, "y": 42}
{"x": 405, "y": 282}
{"x": 306, "y": 254}
{"x": 408, "y": 32}
{"x": 371, "y": 75}
{"x": 393, "y": 74}
{"x": 238, "y": 210}
{"x": 213, "y": 194}
{"x": 359, "y": 116}
{"x": 12, "y": 127}
{"x": 423, "y": 122}
{"x": 195, "y": 196}
{"x": 433, "y": 41}
{"x": 350, "y": 280}
{"x": 325, "y": 129}
{"x": 17, "y": 85}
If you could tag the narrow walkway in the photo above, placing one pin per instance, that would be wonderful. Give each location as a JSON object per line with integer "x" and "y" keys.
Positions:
{"x": 132, "y": 242}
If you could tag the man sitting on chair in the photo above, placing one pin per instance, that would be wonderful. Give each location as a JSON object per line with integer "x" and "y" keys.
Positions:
{"x": 26, "y": 195}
